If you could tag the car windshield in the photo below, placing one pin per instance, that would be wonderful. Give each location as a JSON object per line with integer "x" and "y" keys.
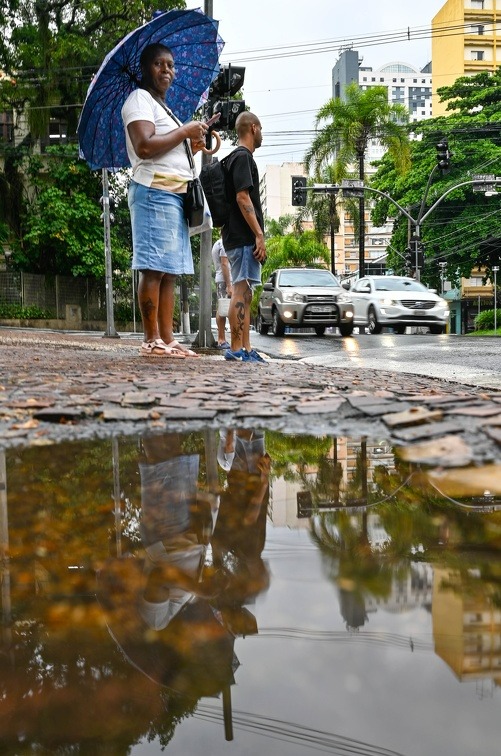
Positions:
{"x": 307, "y": 277}
{"x": 398, "y": 284}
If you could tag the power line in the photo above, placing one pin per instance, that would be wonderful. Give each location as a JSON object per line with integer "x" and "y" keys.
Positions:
{"x": 367, "y": 40}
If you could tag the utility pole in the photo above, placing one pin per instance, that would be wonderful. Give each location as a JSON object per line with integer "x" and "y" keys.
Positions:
{"x": 205, "y": 337}
{"x": 361, "y": 222}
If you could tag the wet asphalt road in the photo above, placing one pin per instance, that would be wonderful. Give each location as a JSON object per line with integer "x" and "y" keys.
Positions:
{"x": 473, "y": 361}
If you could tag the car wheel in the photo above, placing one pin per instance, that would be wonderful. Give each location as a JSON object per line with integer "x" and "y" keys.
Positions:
{"x": 278, "y": 325}
{"x": 262, "y": 327}
{"x": 346, "y": 329}
{"x": 320, "y": 330}
{"x": 399, "y": 329}
{"x": 437, "y": 329}
{"x": 374, "y": 326}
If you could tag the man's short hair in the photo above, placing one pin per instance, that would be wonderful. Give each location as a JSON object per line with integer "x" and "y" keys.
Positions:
{"x": 245, "y": 120}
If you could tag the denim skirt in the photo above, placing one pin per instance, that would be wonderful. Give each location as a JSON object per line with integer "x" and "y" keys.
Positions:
{"x": 160, "y": 239}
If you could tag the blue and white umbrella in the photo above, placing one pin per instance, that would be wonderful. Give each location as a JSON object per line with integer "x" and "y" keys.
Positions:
{"x": 196, "y": 45}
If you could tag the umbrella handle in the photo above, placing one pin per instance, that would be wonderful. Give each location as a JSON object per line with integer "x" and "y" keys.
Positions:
{"x": 214, "y": 149}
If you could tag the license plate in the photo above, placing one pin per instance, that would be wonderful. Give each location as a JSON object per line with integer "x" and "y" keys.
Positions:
{"x": 322, "y": 310}
{"x": 417, "y": 312}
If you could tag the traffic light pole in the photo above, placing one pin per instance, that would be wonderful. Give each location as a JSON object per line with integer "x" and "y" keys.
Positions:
{"x": 355, "y": 187}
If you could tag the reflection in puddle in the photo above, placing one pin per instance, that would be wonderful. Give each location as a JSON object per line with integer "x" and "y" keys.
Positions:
{"x": 287, "y": 589}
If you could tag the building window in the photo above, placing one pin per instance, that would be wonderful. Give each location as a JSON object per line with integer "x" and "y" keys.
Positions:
{"x": 477, "y": 4}
{"x": 477, "y": 29}
{"x": 477, "y": 54}
{"x": 7, "y": 126}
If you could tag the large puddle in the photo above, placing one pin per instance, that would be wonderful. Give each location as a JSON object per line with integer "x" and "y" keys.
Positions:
{"x": 247, "y": 593}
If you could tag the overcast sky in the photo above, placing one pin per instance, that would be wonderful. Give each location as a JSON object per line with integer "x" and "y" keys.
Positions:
{"x": 286, "y": 92}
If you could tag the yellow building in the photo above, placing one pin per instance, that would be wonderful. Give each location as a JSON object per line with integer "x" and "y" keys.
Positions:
{"x": 465, "y": 40}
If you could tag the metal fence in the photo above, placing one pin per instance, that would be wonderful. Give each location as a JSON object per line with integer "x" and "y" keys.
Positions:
{"x": 52, "y": 293}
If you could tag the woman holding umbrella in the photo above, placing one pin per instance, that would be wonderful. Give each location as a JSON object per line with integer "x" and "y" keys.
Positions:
{"x": 157, "y": 149}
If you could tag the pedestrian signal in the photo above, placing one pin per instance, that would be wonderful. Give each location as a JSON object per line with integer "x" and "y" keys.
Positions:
{"x": 299, "y": 191}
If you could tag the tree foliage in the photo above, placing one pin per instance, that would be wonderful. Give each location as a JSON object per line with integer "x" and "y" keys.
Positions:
{"x": 457, "y": 229}
{"x": 290, "y": 251}
{"x": 52, "y": 48}
{"x": 49, "y": 52}
{"x": 349, "y": 124}
{"x": 62, "y": 228}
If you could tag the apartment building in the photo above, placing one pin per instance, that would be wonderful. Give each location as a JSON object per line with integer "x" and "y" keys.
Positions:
{"x": 465, "y": 40}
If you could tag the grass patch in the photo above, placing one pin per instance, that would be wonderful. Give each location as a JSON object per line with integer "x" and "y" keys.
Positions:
{"x": 485, "y": 333}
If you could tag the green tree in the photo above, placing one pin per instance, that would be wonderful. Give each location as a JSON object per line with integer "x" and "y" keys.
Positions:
{"x": 62, "y": 229}
{"x": 348, "y": 126}
{"x": 291, "y": 251}
{"x": 49, "y": 52}
{"x": 458, "y": 229}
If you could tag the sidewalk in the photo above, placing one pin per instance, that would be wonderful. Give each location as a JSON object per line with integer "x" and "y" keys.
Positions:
{"x": 61, "y": 386}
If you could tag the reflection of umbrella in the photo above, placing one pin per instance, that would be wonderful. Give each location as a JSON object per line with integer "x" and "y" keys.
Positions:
{"x": 195, "y": 44}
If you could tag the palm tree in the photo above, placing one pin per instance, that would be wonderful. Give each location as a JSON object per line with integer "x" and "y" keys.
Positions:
{"x": 350, "y": 124}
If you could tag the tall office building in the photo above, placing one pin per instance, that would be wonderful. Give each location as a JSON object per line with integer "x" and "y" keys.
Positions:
{"x": 465, "y": 41}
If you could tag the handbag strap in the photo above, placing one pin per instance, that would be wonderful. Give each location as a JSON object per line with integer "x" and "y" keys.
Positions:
{"x": 187, "y": 145}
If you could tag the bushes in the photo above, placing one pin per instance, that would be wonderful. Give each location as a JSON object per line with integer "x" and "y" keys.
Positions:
{"x": 484, "y": 321}
{"x": 18, "y": 312}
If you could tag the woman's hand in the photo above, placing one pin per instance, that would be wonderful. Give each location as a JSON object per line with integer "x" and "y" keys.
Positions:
{"x": 196, "y": 131}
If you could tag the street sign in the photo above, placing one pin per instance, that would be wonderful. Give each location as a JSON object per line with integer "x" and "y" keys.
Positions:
{"x": 352, "y": 187}
{"x": 484, "y": 182}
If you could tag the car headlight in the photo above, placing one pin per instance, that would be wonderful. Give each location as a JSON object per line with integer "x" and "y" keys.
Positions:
{"x": 387, "y": 302}
{"x": 293, "y": 296}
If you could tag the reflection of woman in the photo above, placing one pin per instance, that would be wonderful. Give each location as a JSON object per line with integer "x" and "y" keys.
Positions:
{"x": 160, "y": 174}
{"x": 159, "y": 609}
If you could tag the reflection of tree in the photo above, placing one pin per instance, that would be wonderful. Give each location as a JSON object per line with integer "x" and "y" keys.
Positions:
{"x": 291, "y": 455}
{"x": 64, "y": 683}
{"x": 349, "y": 559}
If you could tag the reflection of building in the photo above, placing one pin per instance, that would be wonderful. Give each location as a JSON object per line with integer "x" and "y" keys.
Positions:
{"x": 466, "y": 629}
{"x": 412, "y": 590}
{"x": 293, "y": 500}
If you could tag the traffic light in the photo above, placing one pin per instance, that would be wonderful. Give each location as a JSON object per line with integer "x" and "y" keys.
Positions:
{"x": 420, "y": 257}
{"x": 409, "y": 260}
{"x": 298, "y": 191}
{"x": 230, "y": 110}
{"x": 443, "y": 155}
{"x": 227, "y": 83}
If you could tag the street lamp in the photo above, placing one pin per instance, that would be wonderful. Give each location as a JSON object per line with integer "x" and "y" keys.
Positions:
{"x": 495, "y": 269}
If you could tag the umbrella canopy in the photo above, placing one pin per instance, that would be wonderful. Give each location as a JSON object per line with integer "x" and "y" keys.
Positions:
{"x": 196, "y": 45}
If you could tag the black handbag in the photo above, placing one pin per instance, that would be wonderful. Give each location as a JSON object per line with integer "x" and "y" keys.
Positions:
{"x": 194, "y": 203}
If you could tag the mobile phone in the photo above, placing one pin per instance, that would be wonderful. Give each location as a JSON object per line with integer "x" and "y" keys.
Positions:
{"x": 214, "y": 119}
